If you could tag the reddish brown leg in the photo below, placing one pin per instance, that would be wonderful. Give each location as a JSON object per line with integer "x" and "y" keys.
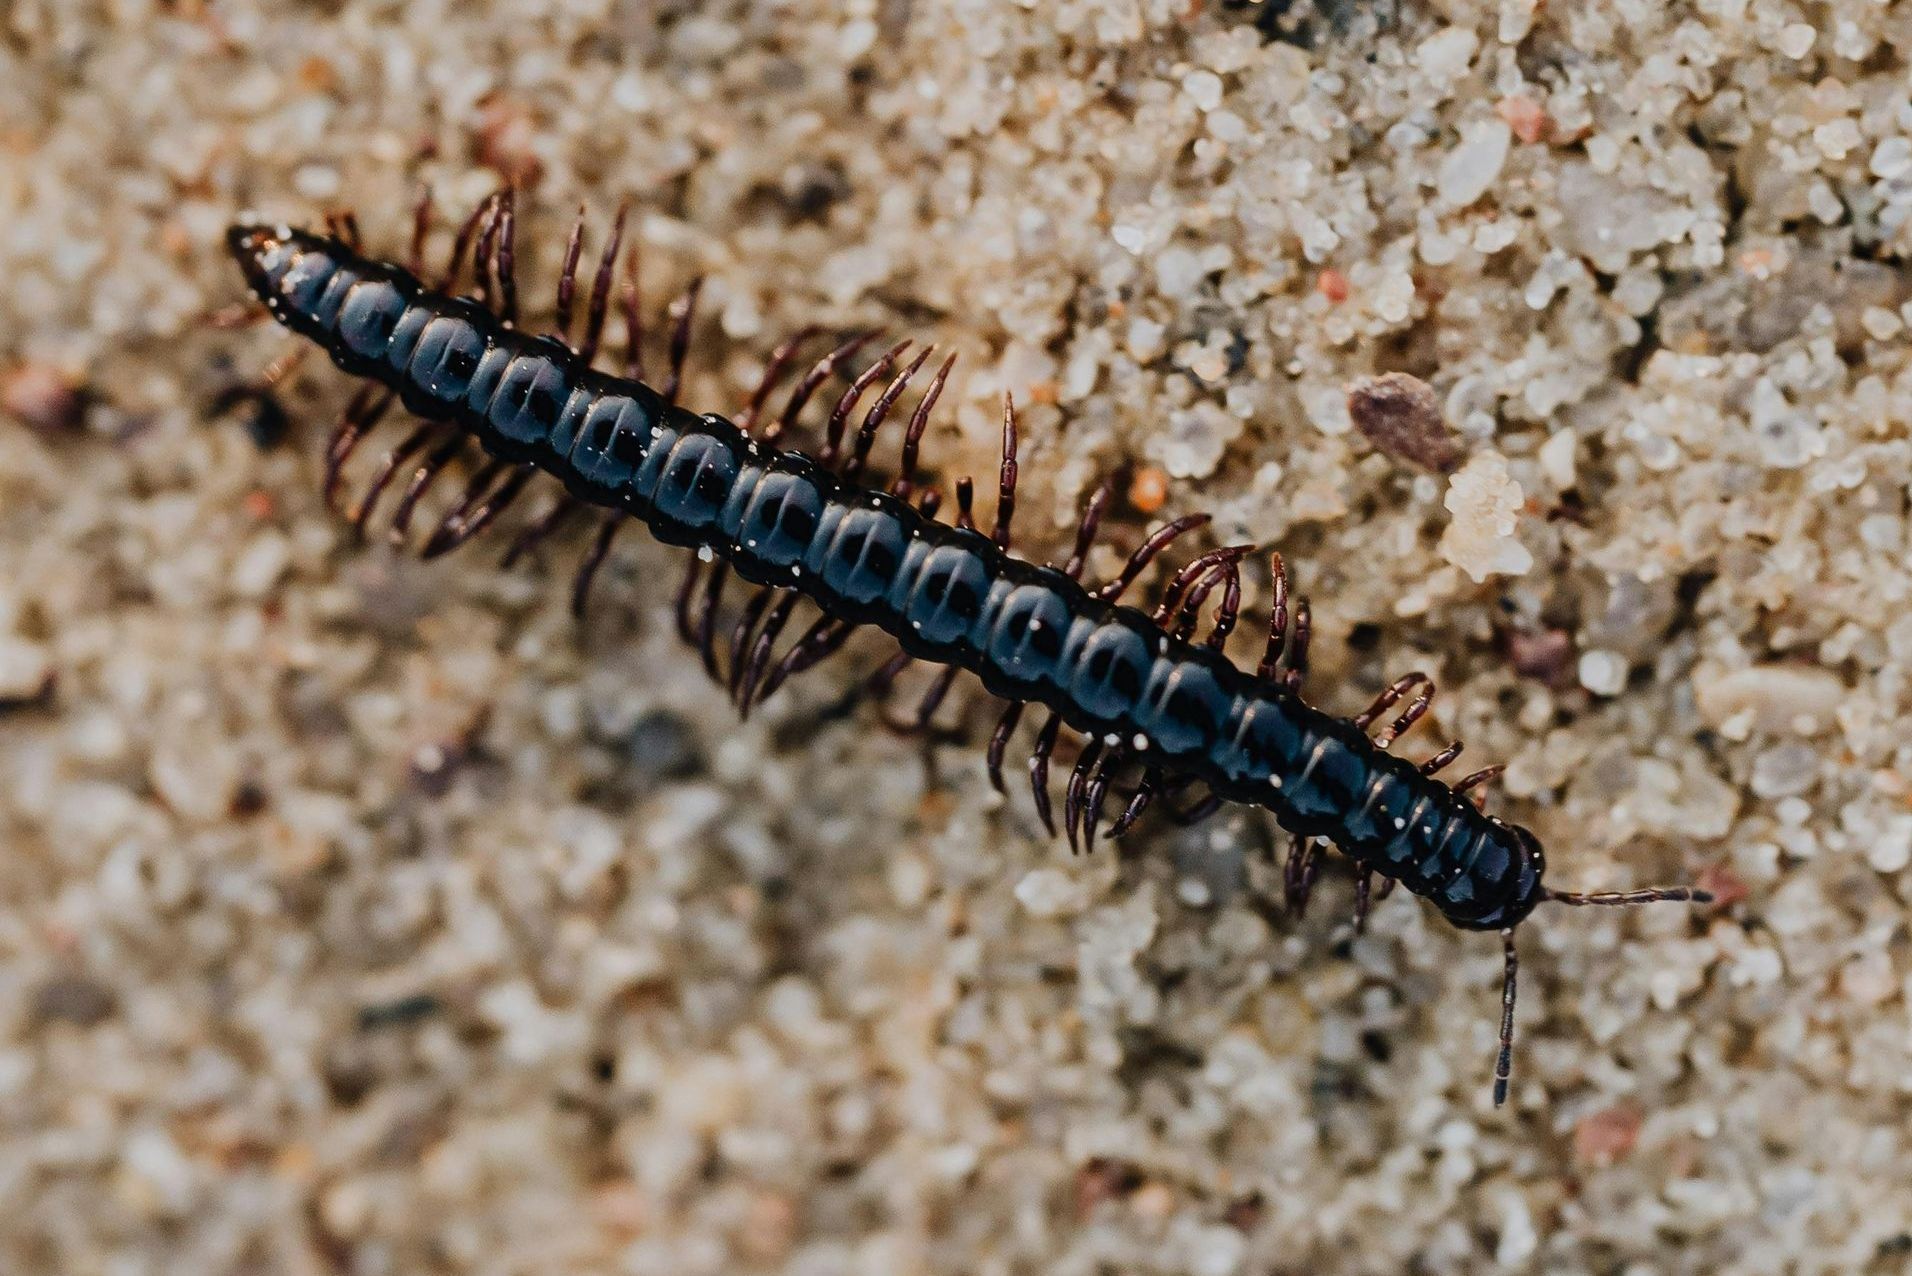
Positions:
{"x": 633, "y": 317}
{"x": 568, "y": 279}
{"x": 1479, "y": 779}
{"x": 600, "y": 302}
{"x": 505, "y": 264}
{"x": 822, "y": 640}
{"x": 878, "y": 413}
{"x": 683, "y": 314}
{"x": 422, "y": 479}
{"x": 913, "y": 437}
{"x": 1096, "y": 792}
{"x": 1391, "y": 697}
{"x": 760, "y": 654}
{"x": 1298, "y": 877}
{"x": 388, "y": 468}
{"x": 461, "y": 244}
{"x": 999, "y": 742}
{"x": 1138, "y": 802}
{"x": 933, "y": 698}
{"x": 1440, "y": 760}
{"x": 485, "y": 286}
{"x": 773, "y": 371}
{"x": 686, "y": 626}
{"x": 817, "y": 375}
{"x": 966, "y": 503}
{"x": 707, "y": 618}
{"x": 593, "y": 560}
{"x": 877, "y": 686}
{"x": 1039, "y": 769}
{"x": 1006, "y": 476}
{"x": 421, "y": 227}
{"x": 1285, "y": 644}
{"x": 361, "y": 415}
{"x": 740, "y": 634}
{"x": 830, "y": 453}
{"x": 539, "y": 529}
{"x": 1073, "y": 793}
{"x": 1364, "y": 899}
{"x": 1147, "y": 553}
{"x": 1087, "y": 527}
{"x": 478, "y": 508}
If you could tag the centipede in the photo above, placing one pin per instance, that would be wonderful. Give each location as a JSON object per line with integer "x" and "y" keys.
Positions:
{"x": 1158, "y": 709}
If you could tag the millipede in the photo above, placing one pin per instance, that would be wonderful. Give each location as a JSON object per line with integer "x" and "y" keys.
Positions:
{"x": 1160, "y": 709}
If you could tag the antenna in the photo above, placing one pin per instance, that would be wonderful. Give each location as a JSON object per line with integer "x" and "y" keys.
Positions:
{"x": 1504, "y": 1061}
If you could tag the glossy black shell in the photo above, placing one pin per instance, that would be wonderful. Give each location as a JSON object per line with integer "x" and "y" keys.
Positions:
{"x": 948, "y": 595}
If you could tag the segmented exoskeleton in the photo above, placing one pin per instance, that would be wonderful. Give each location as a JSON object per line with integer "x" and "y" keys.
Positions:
{"x": 1147, "y": 695}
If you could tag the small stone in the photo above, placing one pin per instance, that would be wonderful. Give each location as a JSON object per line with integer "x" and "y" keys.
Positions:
{"x": 1485, "y": 502}
{"x": 1401, "y": 416}
{"x": 74, "y": 999}
{"x": 1544, "y": 655}
{"x": 1050, "y": 892}
{"x": 1892, "y": 157}
{"x": 1796, "y": 40}
{"x": 1472, "y": 167}
{"x": 1603, "y": 672}
{"x": 41, "y": 397}
{"x": 1801, "y": 699}
{"x": 1601, "y": 1138}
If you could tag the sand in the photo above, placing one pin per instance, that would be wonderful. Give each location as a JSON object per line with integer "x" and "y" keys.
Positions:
{"x": 367, "y": 916}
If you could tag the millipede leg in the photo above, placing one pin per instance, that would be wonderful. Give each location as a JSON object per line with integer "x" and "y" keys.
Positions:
{"x": 1297, "y": 670}
{"x": 877, "y": 686}
{"x": 999, "y": 742}
{"x": 822, "y": 640}
{"x": 387, "y": 469}
{"x": 568, "y": 279}
{"x": 1391, "y": 697}
{"x": 505, "y": 264}
{"x": 683, "y": 314}
{"x": 933, "y": 698}
{"x": 422, "y": 478}
{"x": 1146, "y": 553}
{"x": 1270, "y": 666}
{"x": 1504, "y": 1060}
{"x": 1298, "y": 876}
{"x": 361, "y": 415}
{"x": 706, "y": 640}
{"x": 633, "y": 316}
{"x": 1073, "y": 794}
{"x": 466, "y": 522}
{"x": 740, "y": 634}
{"x": 1486, "y": 775}
{"x": 818, "y": 374}
{"x": 831, "y": 451}
{"x": 593, "y": 560}
{"x": 1138, "y": 802}
{"x": 913, "y": 437}
{"x": 600, "y": 302}
{"x": 879, "y": 412}
{"x": 1007, "y": 475}
{"x": 461, "y": 244}
{"x": 966, "y": 503}
{"x": 484, "y": 258}
{"x": 1039, "y": 769}
{"x": 421, "y": 227}
{"x": 1440, "y": 760}
{"x": 686, "y": 626}
{"x": 766, "y": 641}
{"x": 1363, "y": 899}
{"x": 1095, "y": 793}
{"x": 539, "y": 529}
{"x": 773, "y": 370}
{"x": 1087, "y": 527}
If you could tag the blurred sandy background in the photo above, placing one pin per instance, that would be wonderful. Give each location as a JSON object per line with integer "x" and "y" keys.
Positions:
{"x": 359, "y": 916}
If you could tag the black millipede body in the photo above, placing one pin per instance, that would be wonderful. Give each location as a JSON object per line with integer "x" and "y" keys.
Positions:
{"x": 1147, "y": 695}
